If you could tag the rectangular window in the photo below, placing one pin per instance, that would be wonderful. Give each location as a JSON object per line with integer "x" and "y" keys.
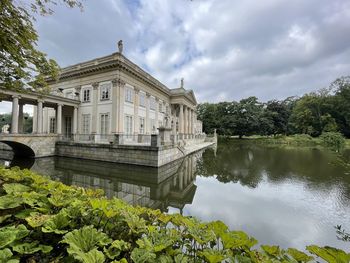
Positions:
{"x": 128, "y": 125}
{"x": 153, "y": 125}
{"x": 86, "y": 124}
{"x": 152, "y": 103}
{"x": 160, "y": 107}
{"x": 104, "y": 129}
{"x": 52, "y": 125}
{"x": 160, "y": 123}
{"x": 86, "y": 95}
{"x": 105, "y": 90}
{"x": 142, "y": 125}
{"x": 142, "y": 100}
{"x": 167, "y": 109}
{"x": 68, "y": 126}
{"x": 129, "y": 95}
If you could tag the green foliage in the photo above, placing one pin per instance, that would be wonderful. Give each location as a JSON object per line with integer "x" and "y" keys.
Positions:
{"x": 324, "y": 111}
{"x": 333, "y": 140}
{"x": 21, "y": 64}
{"x": 90, "y": 228}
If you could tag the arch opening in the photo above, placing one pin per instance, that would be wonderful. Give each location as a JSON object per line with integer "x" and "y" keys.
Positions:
{"x": 20, "y": 150}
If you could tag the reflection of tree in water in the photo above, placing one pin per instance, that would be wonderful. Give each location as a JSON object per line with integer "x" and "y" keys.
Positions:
{"x": 250, "y": 163}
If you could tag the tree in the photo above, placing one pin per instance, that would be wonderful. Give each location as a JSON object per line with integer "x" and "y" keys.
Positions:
{"x": 279, "y": 113}
{"x": 21, "y": 64}
{"x": 311, "y": 114}
{"x": 246, "y": 116}
{"x": 341, "y": 102}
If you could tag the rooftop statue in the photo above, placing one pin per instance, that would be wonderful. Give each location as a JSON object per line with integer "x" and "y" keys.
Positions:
{"x": 120, "y": 46}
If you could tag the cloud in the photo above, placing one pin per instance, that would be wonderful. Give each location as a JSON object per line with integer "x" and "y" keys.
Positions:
{"x": 225, "y": 50}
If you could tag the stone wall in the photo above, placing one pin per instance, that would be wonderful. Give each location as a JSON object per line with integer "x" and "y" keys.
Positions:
{"x": 41, "y": 145}
{"x": 140, "y": 155}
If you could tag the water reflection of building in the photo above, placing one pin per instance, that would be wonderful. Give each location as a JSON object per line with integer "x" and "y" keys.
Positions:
{"x": 169, "y": 185}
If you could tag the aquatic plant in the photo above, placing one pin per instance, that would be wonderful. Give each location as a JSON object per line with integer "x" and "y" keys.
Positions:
{"x": 46, "y": 221}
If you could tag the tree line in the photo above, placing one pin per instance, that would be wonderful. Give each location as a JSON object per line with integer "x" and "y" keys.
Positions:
{"x": 326, "y": 110}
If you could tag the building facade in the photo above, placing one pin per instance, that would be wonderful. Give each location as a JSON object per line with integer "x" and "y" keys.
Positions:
{"x": 117, "y": 97}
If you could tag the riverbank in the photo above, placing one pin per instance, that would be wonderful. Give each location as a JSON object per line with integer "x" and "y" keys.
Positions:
{"x": 44, "y": 220}
{"x": 297, "y": 140}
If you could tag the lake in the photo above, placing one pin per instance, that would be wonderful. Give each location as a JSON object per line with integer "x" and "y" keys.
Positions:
{"x": 290, "y": 196}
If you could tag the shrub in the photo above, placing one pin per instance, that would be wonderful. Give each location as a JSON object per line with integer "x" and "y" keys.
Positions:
{"x": 334, "y": 140}
{"x": 46, "y": 221}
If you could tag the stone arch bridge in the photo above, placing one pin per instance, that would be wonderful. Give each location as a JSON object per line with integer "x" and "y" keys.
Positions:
{"x": 30, "y": 145}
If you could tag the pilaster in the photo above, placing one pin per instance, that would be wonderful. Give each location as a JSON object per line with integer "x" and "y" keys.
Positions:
{"x": 14, "y": 120}
{"x": 94, "y": 108}
{"x": 20, "y": 117}
{"x": 147, "y": 121}
{"x": 136, "y": 110}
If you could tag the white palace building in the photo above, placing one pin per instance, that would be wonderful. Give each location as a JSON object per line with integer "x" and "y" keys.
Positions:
{"x": 107, "y": 109}
{"x": 117, "y": 97}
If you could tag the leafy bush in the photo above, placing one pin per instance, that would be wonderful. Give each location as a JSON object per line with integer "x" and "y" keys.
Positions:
{"x": 334, "y": 140}
{"x": 46, "y": 221}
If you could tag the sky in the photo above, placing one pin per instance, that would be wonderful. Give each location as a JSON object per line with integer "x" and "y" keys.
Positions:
{"x": 224, "y": 49}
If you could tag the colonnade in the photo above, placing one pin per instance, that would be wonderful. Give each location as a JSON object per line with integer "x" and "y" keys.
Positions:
{"x": 38, "y": 121}
{"x": 187, "y": 120}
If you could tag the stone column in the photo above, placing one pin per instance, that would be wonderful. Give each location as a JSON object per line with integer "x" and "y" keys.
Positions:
{"x": 20, "y": 118}
{"x": 191, "y": 123}
{"x": 35, "y": 119}
{"x": 120, "y": 106}
{"x": 185, "y": 120}
{"x": 114, "y": 113}
{"x": 181, "y": 119}
{"x": 157, "y": 113}
{"x": 75, "y": 120}
{"x": 136, "y": 111}
{"x": 40, "y": 117}
{"x": 59, "y": 119}
{"x": 94, "y": 108}
{"x": 14, "y": 120}
{"x": 147, "y": 120}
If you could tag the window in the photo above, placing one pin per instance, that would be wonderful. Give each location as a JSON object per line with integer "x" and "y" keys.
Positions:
{"x": 153, "y": 103}
{"x": 86, "y": 124}
{"x": 160, "y": 123}
{"x": 160, "y": 107}
{"x": 104, "y": 123}
{"x": 153, "y": 125}
{"x": 86, "y": 95}
{"x": 128, "y": 124}
{"x": 167, "y": 109}
{"x": 142, "y": 100}
{"x": 129, "y": 95}
{"x": 105, "y": 91}
{"x": 142, "y": 125}
{"x": 52, "y": 125}
{"x": 68, "y": 126}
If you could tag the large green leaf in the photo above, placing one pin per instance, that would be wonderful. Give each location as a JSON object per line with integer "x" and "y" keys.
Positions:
{"x": 85, "y": 239}
{"x": 15, "y": 188}
{"x": 116, "y": 248}
{"x": 93, "y": 256}
{"x": 139, "y": 255}
{"x": 236, "y": 239}
{"x": 330, "y": 254}
{"x": 298, "y": 255}
{"x": 36, "y": 219}
{"x": 212, "y": 256}
{"x": 30, "y": 248}
{"x": 10, "y": 201}
{"x": 57, "y": 223}
{"x": 5, "y": 255}
{"x": 12, "y": 233}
